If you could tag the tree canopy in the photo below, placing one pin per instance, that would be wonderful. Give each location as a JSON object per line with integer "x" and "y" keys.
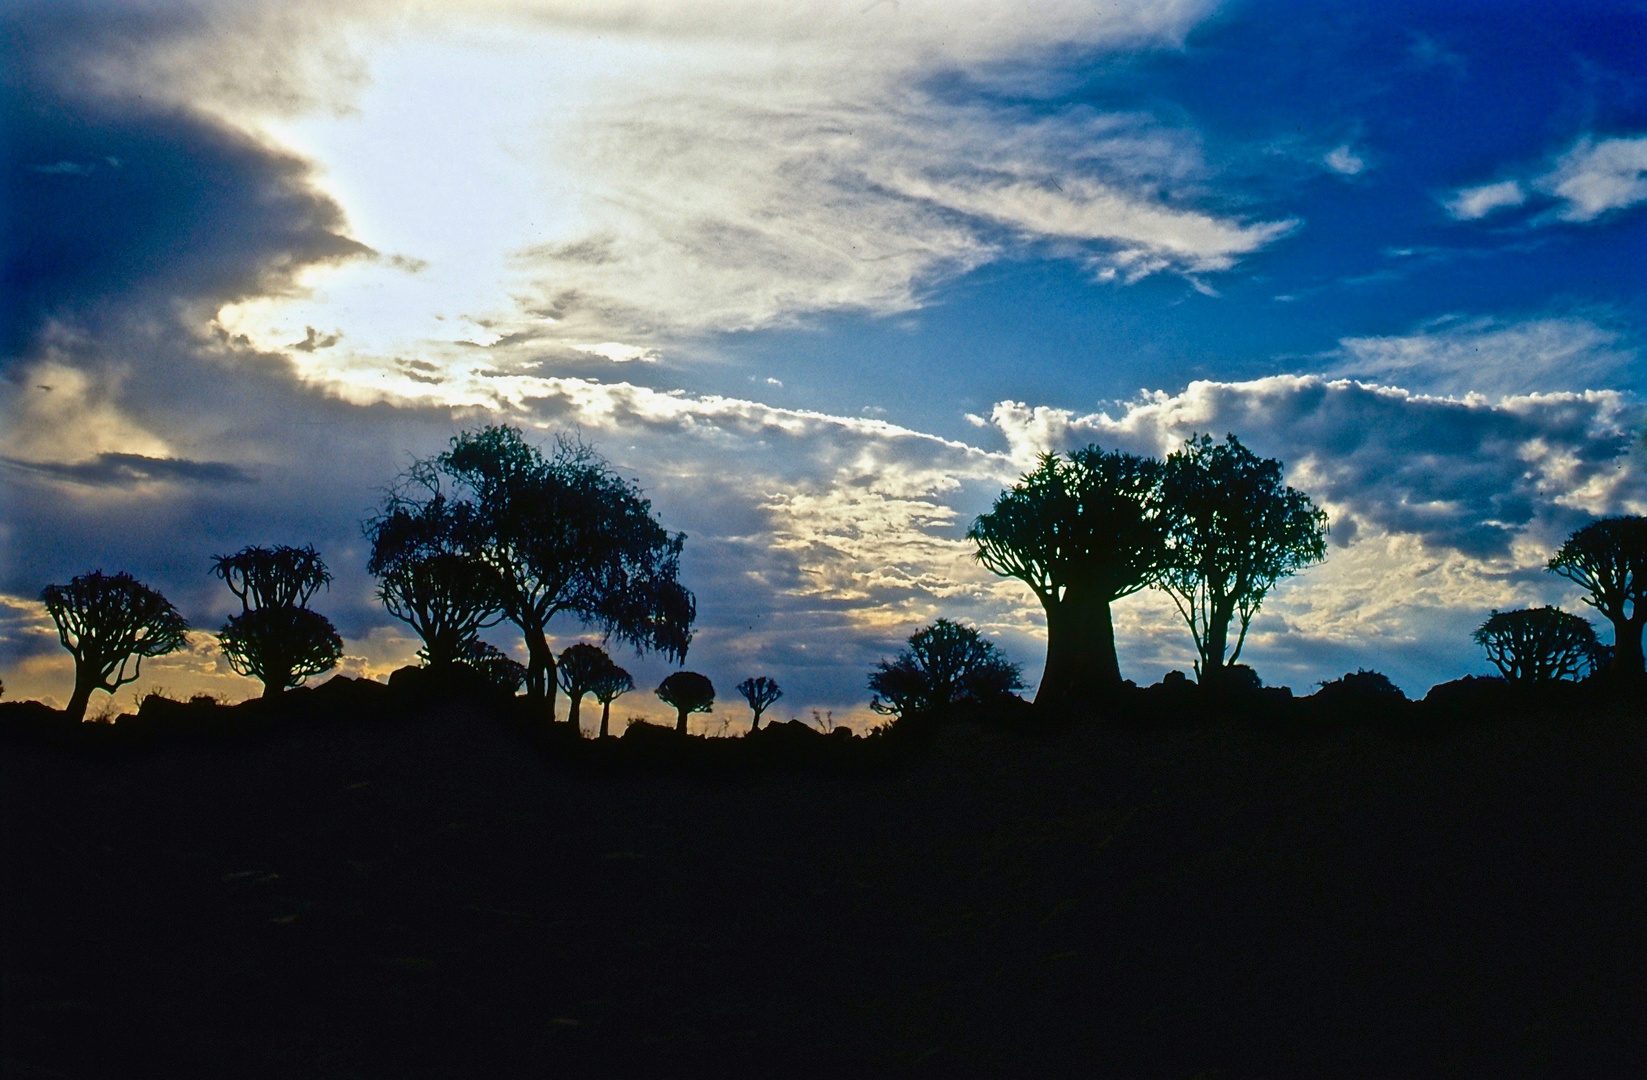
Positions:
{"x": 944, "y": 664}
{"x": 567, "y": 535}
{"x": 1608, "y": 559}
{"x": 687, "y": 692}
{"x": 1539, "y": 645}
{"x": 110, "y": 624}
{"x": 1081, "y": 531}
{"x": 276, "y": 638}
{"x": 760, "y": 692}
{"x": 609, "y": 684}
{"x": 580, "y": 666}
{"x": 423, "y": 554}
{"x": 1233, "y": 530}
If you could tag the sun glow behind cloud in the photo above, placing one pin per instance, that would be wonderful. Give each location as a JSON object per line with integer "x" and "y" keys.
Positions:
{"x": 570, "y": 177}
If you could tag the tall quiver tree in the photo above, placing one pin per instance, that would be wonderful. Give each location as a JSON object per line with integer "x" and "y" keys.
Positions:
{"x": 610, "y": 684}
{"x": 1082, "y": 532}
{"x": 1608, "y": 559}
{"x": 1234, "y": 529}
{"x": 567, "y": 535}
{"x": 276, "y": 638}
{"x": 426, "y": 556}
{"x": 108, "y": 622}
{"x": 579, "y": 668}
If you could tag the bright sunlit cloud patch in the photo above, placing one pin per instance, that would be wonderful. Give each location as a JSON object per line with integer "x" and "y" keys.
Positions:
{"x": 565, "y": 174}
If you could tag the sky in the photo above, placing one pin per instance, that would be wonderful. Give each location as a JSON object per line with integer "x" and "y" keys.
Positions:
{"x": 822, "y": 279}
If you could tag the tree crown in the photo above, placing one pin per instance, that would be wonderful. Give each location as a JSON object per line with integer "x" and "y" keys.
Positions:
{"x": 687, "y": 691}
{"x": 273, "y": 577}
{"x": 106, "y": 621}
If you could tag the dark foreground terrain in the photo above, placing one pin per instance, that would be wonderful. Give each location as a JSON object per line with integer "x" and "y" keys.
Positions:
{"x": 443, "y": 896}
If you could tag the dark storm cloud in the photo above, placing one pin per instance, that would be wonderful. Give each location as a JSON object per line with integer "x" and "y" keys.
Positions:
{"x": 129, "y": 470}
{"x": 115, "y": 205}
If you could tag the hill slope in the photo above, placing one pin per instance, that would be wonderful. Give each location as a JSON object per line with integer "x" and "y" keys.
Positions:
{"x": 435, "y": 898}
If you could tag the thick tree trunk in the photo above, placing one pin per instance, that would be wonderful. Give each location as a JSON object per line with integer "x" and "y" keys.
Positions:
{"x": 1081, "y": 661}
{"x": 1627, "y": 653}
{"x": 276, "y": 682}
{"x": 605, "y": 719}
{"x": 680, "y": 722}
{"x": 755, "y": 723}
{"x": 75, "y": 711}
{"x": 575, "y": 701}
{"x": 540, "y": 668}
{"x": 1216, "y": 645}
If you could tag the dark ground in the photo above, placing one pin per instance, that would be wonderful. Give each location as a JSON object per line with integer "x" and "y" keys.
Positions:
{"x": 1222, "y": 899}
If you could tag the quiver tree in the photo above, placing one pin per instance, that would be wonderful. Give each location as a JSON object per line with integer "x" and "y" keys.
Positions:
{"x": 687, "y": 692}
{"x": 1081, "y": 532}
{"x": 760, "y": 692}
{"x": 611, "y": 683}
{"x": 567, "y": 535}
{"x": 425, "y": 553}
{"x": 1539, "y": 645}
{"x": 110, "y": 624}
{"x": 944, "y": 664}
{"x": 1234, "y": 529}
{"x": 502, "y": 672}
{"x": 272, "y": 577}
{"x": 580, "y": 665}
{"x": 280, "y": 646}
{"x": 276, "y": 638}
{"x": 1608, "y": 559}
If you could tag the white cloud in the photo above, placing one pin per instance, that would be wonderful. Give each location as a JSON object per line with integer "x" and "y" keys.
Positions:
{"x": 1595, "y": 177}
{"x": 1471, "y": 203}
{"x": 655, "y": 170}
{"x": 1346, "y": 161}
{"x": 1487, "y": 356}
{"x": 1591, "y": 179}
{"x": 619, "y": 353}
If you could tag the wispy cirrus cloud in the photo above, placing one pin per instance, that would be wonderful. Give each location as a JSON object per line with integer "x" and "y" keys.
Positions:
{"x": 1458, "y": 356}
{"x": 1593, "y": 178}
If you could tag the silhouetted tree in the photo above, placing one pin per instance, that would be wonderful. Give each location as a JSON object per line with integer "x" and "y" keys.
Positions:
{"x": 425, "y": 551}
{"x": 568, "y": 535}
{"x": 1233, "y": 530}
{"x": 688, "y": 692}
{"x": 108, "y": 622}
{"x": 1608, "y": 558}
{"x": 760, "y": 692}
{"x": 278, "y": 576}
{"x": 1081, "y": 532}
{"x": 610, "y": 684}
{"x": 503, "y": 672}
{"x": 580, "y": 665}
{"x": 1538, "y": 645}
{"x": 276, "y": 638}
{"x": 944, "y": 664}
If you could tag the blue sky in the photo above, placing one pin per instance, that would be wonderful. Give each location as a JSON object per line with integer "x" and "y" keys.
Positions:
{"x": 824, "y": 277}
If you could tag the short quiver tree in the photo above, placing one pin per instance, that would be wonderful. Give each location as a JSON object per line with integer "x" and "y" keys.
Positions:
{"x": 1539, "y": 645}
{"x": 944, "y": 664}
{"x": 276, "y": 638}
{"x": 580, "y": 665}
{"x": 1608, "y": 559}
{"x": 687, "y": 692}
{"x": 610, "y": 684}
{"x": 430, "y": 574}
{"x": 1234, "y": 529}
{"x": 761, "y": 692}
{"x": 110, "y": 624}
